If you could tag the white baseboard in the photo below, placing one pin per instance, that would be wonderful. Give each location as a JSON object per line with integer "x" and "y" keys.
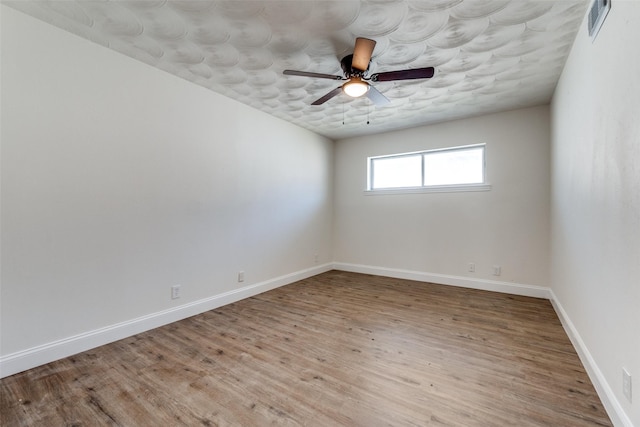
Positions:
{"x": 608, "y": 398}
{"x": 42, "y": 354}
{"x": 443, "y": 279}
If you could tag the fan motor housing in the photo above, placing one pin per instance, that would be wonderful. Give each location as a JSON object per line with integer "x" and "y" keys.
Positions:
{"x": 349, "y": 71}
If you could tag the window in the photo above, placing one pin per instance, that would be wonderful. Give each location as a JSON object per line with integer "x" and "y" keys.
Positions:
{"x": 447, "y": 169}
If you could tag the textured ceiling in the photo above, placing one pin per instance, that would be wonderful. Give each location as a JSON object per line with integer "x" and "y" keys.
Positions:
{"x": 489, "y": 56}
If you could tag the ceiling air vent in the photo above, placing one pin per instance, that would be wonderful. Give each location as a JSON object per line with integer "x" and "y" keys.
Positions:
{"x": 597, "y": 13}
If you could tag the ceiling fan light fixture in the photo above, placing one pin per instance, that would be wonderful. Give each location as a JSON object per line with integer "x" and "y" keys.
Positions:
{"x": 355, "y": 87}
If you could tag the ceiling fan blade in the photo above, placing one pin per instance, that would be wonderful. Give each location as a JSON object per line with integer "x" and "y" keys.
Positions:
{"x": 328, "y": 96}
{"x": 416, "y": 73}
{"x": 362, "y": 53}
{"x": 376, "y": 97}
{"x": 308, "y": 74}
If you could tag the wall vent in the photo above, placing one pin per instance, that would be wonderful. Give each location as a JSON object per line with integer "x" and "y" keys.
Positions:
{"x": 597, "y": 13}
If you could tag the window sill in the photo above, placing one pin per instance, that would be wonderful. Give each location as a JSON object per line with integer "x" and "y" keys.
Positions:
{"x": 432, "y": 189}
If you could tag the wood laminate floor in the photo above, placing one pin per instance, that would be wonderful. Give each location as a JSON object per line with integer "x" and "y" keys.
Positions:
{"x": 337, "y": 349}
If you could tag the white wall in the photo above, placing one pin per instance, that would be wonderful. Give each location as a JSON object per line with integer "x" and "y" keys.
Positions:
{"x": 120, "y": 180}
{"x": 440, "y": 233}
{"x": 595, "y": 272}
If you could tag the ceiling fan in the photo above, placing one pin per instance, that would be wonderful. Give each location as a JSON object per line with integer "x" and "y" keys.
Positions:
{"x": 355, "y": 67}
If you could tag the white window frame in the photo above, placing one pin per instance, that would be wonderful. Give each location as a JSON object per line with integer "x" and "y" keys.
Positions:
{"x": 484, "y": 186}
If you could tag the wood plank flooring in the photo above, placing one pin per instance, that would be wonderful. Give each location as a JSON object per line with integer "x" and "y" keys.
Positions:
{"x": 337, "y": 349}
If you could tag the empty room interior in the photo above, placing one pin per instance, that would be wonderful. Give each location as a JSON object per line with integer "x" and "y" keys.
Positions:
{"x": 202, "y": 225}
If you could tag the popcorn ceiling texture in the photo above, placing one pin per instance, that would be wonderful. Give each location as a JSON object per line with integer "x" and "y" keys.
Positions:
{"x": 489, "y": 56}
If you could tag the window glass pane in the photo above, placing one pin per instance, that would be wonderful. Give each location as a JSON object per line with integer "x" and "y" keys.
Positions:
{"x": 451, "y": 167}
{"x": 397, "y": 172}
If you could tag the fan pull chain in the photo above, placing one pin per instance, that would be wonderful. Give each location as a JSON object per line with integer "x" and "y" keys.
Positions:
{"x": 343, "y": 113}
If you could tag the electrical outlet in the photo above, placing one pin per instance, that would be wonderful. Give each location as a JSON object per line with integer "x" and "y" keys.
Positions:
{"x": 626, "y": 384}
{"x": 241, "y": 276}
{"x": 471, "y": 268}
{"x": 497, "y": 270}
{"x": 175, "y": 291}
